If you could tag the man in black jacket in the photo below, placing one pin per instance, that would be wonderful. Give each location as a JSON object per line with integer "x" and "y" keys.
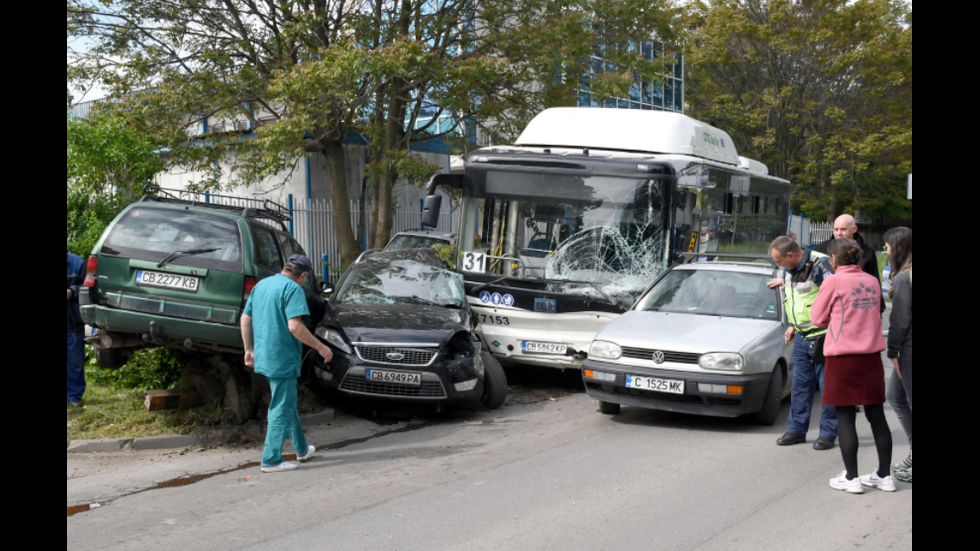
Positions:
{"x": 846, "y": 227}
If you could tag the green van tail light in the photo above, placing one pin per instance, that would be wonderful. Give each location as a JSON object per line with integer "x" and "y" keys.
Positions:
{"x": 250, "y": 283}
{"x": 92, "y": 272}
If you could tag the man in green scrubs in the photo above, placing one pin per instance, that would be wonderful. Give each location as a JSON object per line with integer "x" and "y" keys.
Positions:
{"x": 274, "y": 335}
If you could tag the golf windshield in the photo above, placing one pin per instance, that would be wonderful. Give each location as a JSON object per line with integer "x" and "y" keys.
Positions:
{"x": 402, "y": 282}
{"x": 713, "y": 293}
{"x": 594, "y": 235}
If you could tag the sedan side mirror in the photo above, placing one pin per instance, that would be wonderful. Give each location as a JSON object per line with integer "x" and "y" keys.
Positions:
{"x": 326, "y": 287}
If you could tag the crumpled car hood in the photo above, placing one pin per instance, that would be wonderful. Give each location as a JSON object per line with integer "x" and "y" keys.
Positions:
{"x": 400, "y": 324}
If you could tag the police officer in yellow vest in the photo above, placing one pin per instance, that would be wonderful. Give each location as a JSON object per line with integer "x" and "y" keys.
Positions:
{"x": 803, "y": 272}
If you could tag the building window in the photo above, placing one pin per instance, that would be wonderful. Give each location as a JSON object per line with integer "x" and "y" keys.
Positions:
{"x": 663, "y": 94}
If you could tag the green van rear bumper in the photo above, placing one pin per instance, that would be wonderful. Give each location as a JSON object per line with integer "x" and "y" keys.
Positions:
{"x": 168, "y": 331}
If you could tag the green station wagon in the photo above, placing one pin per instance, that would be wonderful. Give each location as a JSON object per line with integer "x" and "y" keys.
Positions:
{"x": 177, "y": 273}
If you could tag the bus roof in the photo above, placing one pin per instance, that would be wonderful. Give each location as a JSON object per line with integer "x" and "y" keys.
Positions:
{"x": 631, "y": 130}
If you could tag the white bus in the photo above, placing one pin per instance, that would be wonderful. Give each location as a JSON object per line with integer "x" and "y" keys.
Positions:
{"x": 561, "y": 232}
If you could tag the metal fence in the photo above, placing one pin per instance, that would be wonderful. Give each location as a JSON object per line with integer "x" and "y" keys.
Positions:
{"x": 810, "y": 233}
{"x": 313, "y": 222}
{"x": 313, "y": 227}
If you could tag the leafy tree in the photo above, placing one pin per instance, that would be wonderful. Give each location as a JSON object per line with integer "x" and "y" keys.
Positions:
{"x": 108, "y": 165}
{"x": 821, "y": 90}
{"x": 327, "y": 72}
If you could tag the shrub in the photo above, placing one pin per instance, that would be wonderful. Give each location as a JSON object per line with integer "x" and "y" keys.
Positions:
{"x": 153, "y": 369}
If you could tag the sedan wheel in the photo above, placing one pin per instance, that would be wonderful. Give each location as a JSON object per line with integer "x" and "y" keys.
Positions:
{"x": 774, "y": 400}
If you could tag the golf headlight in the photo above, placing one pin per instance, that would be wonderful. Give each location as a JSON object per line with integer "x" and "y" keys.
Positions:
{"x": 333, "y": 338}
{"x": 723, "y": 362}
{"x": 605, "y": 351}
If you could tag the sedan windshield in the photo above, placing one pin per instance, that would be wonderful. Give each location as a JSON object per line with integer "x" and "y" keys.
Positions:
{"x": 402, "y": 282}
{"x": 713, "y": 293}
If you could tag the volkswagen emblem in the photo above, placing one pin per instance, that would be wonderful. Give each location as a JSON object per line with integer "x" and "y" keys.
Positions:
{"x": 659, "y": 357}
{"x": 396, "y": 356}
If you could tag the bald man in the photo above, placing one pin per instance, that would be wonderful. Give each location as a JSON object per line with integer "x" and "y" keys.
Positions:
{"x": 846, "y": 227}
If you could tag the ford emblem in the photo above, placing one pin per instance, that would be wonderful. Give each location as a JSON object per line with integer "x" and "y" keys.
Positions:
{"x": 659, "y": 357}
{"x": 396, "y": 356}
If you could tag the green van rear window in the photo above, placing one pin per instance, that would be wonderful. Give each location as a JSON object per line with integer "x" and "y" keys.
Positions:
{"x": 154, "y": 234}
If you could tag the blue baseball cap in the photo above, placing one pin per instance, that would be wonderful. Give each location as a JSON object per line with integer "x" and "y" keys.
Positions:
{"x": 301, "y": 263}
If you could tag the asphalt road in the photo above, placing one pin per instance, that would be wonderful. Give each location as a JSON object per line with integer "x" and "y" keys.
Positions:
{"x": 551, "y": 475}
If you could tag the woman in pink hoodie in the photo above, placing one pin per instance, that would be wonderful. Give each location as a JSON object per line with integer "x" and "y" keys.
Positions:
{"x": 849, "y": 305}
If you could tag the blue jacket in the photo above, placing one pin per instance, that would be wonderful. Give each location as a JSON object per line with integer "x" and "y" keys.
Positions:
{"x": 76, "y": 278}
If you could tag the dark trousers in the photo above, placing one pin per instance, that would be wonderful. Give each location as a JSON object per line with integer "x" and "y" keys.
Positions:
{"x": 76, "y": 365}
{"x": 900, "y": 393}
{"x": 806, "y": 377}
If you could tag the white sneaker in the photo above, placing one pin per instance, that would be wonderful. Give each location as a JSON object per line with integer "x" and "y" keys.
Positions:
{"x": 883, "y": 484}
{"x": 842, "y": 484}
{"x": 308, "y": 456}
{"x": 281, "y": 468}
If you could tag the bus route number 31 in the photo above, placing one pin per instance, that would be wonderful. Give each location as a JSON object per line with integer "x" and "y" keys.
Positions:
{"x": 474, "y": 262}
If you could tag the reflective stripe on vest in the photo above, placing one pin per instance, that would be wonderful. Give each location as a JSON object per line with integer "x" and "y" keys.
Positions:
{"x": 800, "y": 297}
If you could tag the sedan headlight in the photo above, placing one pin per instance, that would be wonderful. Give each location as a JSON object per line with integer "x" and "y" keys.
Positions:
{"x": 605, "y": 351}
{"x": 723, "y": 362}
{"x": 333, "y": 338}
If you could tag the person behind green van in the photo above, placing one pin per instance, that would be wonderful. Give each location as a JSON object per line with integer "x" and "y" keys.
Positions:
{"x": 274, "y": 334}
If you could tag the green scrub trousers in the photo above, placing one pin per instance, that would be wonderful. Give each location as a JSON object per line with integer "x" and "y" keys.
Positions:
{"x": 283, "y": 422}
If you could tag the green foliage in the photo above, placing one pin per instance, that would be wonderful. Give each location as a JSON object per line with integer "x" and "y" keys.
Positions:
{"x": 109, "y": 159}
{"x": 821, "y": 91}
{"x": 152, "y": 369}
{"x": 448, "y": 254}
{"x": 309, "y": 78}
{"x": 87, "y": 219}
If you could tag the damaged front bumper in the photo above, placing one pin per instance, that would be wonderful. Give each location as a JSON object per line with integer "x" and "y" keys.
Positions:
{"x": 444, "y": 382}
{"x": 505, "y": 332}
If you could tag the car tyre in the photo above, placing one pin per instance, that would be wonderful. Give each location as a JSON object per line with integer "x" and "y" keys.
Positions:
{"x": 607, "y": 408}
{"x": 774, "y": 400}
{"x": 110, "y": 358}
{"x": 495, "y": 381}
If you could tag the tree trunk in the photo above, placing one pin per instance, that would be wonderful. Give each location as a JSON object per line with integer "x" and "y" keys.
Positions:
{"x": 342, "y": 226}
{"x": 382, "y": 231}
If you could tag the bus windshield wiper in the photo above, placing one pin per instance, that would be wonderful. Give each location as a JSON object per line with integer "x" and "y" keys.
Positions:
{"x": 190, "y": 252}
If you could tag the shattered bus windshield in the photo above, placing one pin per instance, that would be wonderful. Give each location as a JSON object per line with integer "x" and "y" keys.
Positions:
{"x": 595, "y": 235}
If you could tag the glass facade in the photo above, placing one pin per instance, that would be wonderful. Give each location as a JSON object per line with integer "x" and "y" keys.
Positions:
{"x": 662, "y": 94}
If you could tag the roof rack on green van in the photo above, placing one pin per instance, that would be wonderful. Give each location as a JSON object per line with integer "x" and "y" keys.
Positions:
{"x": 269, "y": 209}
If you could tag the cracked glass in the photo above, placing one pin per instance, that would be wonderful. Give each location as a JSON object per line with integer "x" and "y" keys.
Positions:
{"x": 599, "y": 236}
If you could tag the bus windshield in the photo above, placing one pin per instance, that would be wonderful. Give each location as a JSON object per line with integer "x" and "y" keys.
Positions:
{"x": 594, "y": 235}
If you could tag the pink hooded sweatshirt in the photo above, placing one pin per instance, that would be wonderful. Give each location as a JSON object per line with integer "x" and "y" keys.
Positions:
{"x": 849, "y": 305}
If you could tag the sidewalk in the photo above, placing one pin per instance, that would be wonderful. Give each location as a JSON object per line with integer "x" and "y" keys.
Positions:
{"x": 103, "y": 477}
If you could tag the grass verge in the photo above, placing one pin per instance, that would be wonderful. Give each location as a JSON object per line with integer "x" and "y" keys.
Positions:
{"x": 112, "y": 412}
{"x": 119, "y": 413}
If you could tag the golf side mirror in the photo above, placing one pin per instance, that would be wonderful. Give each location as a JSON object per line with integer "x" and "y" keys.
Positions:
{"x": 431, "y": 211}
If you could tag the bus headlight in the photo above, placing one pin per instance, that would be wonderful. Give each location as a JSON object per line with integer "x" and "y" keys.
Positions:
{"x": 723, "y": 362}
{"x": 605, "y": 351}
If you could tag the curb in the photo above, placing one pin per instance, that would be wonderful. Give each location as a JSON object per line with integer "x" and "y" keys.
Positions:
{"x": 100, "y": 446}
{"x": 156, "y": 443}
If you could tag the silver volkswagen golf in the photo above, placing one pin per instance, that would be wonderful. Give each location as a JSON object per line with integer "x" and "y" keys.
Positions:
{"x": 706, "y": 339}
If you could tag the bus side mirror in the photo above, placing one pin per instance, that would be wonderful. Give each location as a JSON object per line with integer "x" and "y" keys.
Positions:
{"x": 431, "y": 211}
